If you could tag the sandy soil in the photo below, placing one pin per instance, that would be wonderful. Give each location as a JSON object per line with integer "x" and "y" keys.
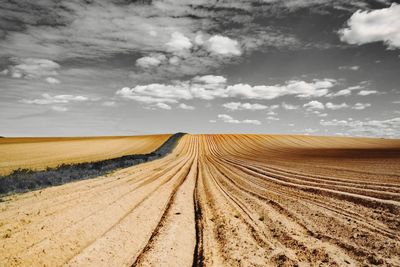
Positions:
{"x": 220, "y": 200}
{"x": 39, "y": 153}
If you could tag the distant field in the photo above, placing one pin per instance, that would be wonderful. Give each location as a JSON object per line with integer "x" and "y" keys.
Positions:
{"x": 40, "y": 153}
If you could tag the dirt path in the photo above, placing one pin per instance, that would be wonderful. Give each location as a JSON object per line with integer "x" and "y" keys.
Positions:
{"x": 220, "y": 200}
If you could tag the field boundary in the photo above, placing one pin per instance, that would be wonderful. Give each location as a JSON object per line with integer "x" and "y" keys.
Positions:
{"x": 23, "y": 180}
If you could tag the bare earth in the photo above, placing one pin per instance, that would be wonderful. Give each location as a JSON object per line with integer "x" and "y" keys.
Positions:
{"x": 220, "y": 200}
{"x": 39, "y": 153}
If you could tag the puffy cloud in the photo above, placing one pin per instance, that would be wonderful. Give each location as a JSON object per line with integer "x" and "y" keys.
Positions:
{"x": 228, "y": 119}
{"x": 300, "y": 89}
{"x": 289, "y": 106}
{"x": 386, "y": 128}
{"x": 52, "y": 80}
{"x": 222, "y": 45}
{"x": 360, "y": 106}
{"x": 314, "y": 105}
{"x": 32, "y": 68}
{"x": 243, "y": 106}
{"x": 330, "y": 105}
{"x": 347, "y": 91}
{"x": 377, "y": 25}
{"x": 153, "y": 60}
{"x": 178, "y": 43}
{"x": 210, "y": 87}
{"x": 367, "y": 92}
{"x": 272, "y": 118}
{"x": 187, "y": 107}
{"x": 349, "y": 67}
{"x": 163, "y": 106}
{"x": 59, "y": 108}
{"x": 48, "y": 99}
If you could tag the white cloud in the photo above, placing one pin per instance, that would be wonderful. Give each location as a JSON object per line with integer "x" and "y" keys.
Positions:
{"x": 222, "y": 45}
{"x": 52, "y": 80}
{"x": 385, "y": 128}
{"x": 212, "y": 121}
{"x": 349, "y": 67}
{"x": 32, "y": 68}
{"x": 178, "y": 43}
{"x": 187, "y": 107}
{"x": 48, "y": 99}
{"x": 243, "y": 106}
{"x": 289, "y": 106}
{"x": 109, "y": 103}
{"x": 314, "y": 105}
{"x": 209, "y": 87}
{"x": 228, "y": 119}
{"x": 377, "y": 25}
{"x": 59, "y": 108}
{"x": 330, "y": 105}
{"x": 272, "y": 118}
{"x": 163, "y": 106}
{"x": 360, "y": 106}
{"x": 210, "y": 79}
{"x": 347, "y": 91}
{"x": 367, "y": 92}
{"x": 150, "y": 61}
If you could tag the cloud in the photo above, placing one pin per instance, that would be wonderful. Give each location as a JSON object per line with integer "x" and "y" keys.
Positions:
{"x": 32, "y": 68}
{"x": 57, "y": 99}
{"x": 314, "y": 105}
{"x": 210, "y": 87}
{"x": 243, "y": 106}
{"x": 52, "y": 80}
{"x": 360, "y": 106}
{"x": 289, "y": 106}
{"x": 109, "y": 103}
{"x": 348, "y": 91}
{"x": 187, "y": 107}
{"x": 367, "y": 92}
{"x": 374, "y": 26}
{"x": 272, "y": 118}
{"x": 178, "y": 43}
{"x": 59, "y": 108}
{"x": 163, "y": 106}
{"x": 384, "y": 128}
{"x": 153, "y": 60}
{"x": 222, "y": 45}
{"x": 330, "y": 105}
{"x": 349, "y": 68}
{"x": 228, "y": 119}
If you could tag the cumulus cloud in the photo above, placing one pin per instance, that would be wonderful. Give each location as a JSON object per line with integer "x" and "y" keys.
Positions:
{"x": 349, "y": 67}
{"x": 272, "y": 118}
{"x": 163, "y": 106}
{"x": 52, "y": 80}
{"x": 348, "y": 91}
{"x": 228, "y": 119}
{"x": 289, "y": 106}
{"x": 333, "y": 106}
{"x": 384, "y": 128}
{"x": 150, "y": 61}
{"x": 222, "y": 45}
{"x": 243, "y": 106}
{"x": 367, "y": 92}
{"x": 210, "y": 87}
{"x": 374, "y": 26}
{"x": 178, "y": 43}
{"x": 314, "y": 105}
{"x": 32, "y": 68}
{"x": 48, "y": 99}
{"x": 360, "y": 106}
{"x": 187, "y": 107}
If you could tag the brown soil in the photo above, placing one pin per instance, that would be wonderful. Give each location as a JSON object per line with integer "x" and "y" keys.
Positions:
{"x": 220, "y": 200}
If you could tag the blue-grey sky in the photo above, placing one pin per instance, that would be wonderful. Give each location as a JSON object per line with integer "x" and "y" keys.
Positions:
{"x": 122, "y": 67}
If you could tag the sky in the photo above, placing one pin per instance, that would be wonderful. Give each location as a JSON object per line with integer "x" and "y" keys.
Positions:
{"x": 119, "y": 67}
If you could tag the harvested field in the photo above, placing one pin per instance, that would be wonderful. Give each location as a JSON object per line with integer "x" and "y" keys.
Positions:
{"x": 220, "y": 200}
{"x": 40, "y": 153}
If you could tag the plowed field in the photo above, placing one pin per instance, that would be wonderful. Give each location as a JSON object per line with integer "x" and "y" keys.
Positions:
{"x": 220, "y": 200}
{"x": 40, "y": 153}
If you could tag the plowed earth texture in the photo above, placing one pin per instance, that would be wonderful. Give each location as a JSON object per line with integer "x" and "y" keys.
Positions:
{"x": 220, "y": 200}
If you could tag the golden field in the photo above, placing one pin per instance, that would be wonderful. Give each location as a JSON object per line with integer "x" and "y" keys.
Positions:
{"x": 40, "y": 153}
{"x": 218, "y": 200}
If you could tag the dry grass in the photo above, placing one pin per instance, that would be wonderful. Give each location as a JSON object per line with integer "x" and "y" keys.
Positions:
{"x": 40, "y": 153}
